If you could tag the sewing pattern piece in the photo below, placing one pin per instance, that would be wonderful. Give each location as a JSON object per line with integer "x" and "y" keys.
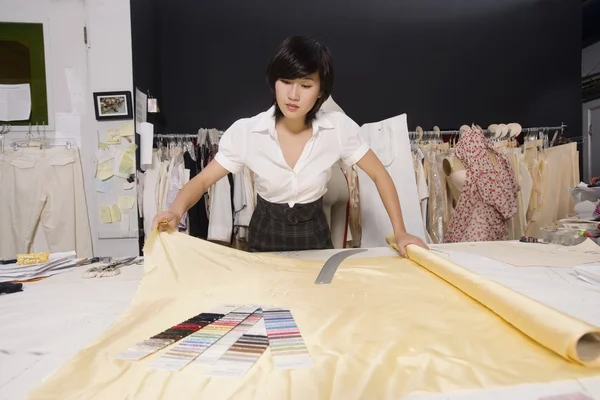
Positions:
{"x": 489, "y": 196}
{"x": 195, "y": 344}
{"x": 286, "y": 343}
{"x": 173, "y": 334}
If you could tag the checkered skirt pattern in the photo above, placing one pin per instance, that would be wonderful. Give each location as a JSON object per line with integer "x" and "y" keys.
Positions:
{"x": 279, "y": 227}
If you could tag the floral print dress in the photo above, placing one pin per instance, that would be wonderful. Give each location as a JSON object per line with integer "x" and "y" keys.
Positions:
{"x": 489, "y": 197}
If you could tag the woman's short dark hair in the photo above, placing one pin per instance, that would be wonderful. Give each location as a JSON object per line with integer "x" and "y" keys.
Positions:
{"x": 299, "y": 57}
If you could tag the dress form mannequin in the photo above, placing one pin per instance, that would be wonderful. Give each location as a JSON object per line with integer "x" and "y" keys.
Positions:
{"x": 456, "y": 176}
{"x": 335, "y": 203}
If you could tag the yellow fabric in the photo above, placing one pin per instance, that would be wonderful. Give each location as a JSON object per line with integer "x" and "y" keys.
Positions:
{"x": 569, "y": 337}
{"x": 383, "y": 328}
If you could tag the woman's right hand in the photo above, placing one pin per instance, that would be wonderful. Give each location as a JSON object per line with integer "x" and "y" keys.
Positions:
{"x": 165, "y": 221}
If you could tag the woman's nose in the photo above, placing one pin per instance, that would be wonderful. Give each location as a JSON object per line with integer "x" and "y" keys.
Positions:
{"x": 293, "y": 93}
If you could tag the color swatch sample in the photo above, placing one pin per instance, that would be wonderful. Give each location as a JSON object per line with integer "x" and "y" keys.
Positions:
{"x": 287, "y": 346}
{"x": 175, "y": 333}
{"x": 240, "y": 357}
{"x": 192, "y": 346}
{"x": 214, "y": 352}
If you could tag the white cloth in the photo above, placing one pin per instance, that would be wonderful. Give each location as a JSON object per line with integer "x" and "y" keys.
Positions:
{"x": 220, "y": 223}
{"x": 422, "y": 190}
{"x": 389, "y": 140}
{"x": 43, "y": 187}
{"x": 252, "y": 142}
{"x": 150, "y": 193}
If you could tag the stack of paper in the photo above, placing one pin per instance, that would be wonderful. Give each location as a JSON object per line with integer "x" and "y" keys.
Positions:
{"x": 589, "y": 273}
{"x": 58, "y": 262}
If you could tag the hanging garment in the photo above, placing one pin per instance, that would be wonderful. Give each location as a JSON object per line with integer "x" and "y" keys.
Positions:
{"x": 553, "y": 177}
{"x": 278, "y": 227}
{"x": 354, "y": 226}
{"x": 489, "y": 196}
{"x": 389, "y": 141}
{"x": 150, "y": 190}
{"x": 43, "y": 187}
{"x": 197, "y": 219}
{"x": 439, "y": 204}
{"x": 422, "y": 188}
{"x": 220, "y": 222}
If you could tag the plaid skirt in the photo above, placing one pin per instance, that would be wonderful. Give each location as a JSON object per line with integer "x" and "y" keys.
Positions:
{"x": 279, "y": 227}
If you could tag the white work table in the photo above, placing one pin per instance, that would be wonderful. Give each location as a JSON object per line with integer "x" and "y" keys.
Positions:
{"x": 51, "y": 320}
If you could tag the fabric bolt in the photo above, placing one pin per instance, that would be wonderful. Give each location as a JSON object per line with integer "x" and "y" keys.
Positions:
{"x": 253, "y": 143}
{"x": 489, "y": 197}
{"x": 44, "y": 187}
{"x": 278, "y": 227}
{"x": 385, "y": 327}
{"x": 389, "y": 141}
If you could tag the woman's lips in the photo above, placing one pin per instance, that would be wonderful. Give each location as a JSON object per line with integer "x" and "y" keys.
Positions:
{"x": 292, "y": 107}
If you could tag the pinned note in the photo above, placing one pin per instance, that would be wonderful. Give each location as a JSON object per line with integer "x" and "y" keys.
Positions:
{"x": 105, "y": 217}
{"x": 103, "y": 146}
{"x": 102, "y": 186}
{"x": 126, "y": 164}
{"x": 115, "y": 213}
{"x": 105, "y": 170}
{"x": 126, "y": 202}
{"x": 127, "y": 129}
{"x": 113, "y": 136}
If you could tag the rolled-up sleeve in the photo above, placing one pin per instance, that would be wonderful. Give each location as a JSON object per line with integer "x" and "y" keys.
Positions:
{"x": 353, "y": 146}
{"x": 231, "y": 148}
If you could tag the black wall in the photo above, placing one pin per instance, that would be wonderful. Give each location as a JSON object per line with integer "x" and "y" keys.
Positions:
{"x": 443, "y": 62}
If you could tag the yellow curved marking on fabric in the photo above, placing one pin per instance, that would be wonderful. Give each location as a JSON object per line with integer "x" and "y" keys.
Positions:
{"x": 384, "y": 327}
{"x": 569, "y": 337}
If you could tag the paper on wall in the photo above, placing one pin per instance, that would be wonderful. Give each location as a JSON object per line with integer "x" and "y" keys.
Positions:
{"x": 115, "y": 213}
{"x": 146, "y": 141}
{"x": 105, "y": 215}
{"x": 68, "y": 126}
{"x": 75, "y": 85}
{"x": 127, "y": 129}
{"x": 102, "y": 186}
{"x": 141, "y": 109}
{"x": 113, "y": 136}
{"x": 128, "y": 185}
{"x": 15, "y": 102}
{"x": 104, "y": 155}
{"x": 126, "y": 202}
{"x": 105, "y": 170}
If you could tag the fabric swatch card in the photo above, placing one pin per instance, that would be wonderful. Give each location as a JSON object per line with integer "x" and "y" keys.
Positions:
{"x": 175, "y": 333}
{"x": 244, "y": 353}
{"x": 287, "y": 346}
{"x": 214, "y": 352}
{"x": 192, "y": 346}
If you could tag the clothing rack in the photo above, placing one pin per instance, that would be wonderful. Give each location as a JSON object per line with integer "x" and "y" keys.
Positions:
{"x": 562, "y": 128}
{"x": 176, "y": 136}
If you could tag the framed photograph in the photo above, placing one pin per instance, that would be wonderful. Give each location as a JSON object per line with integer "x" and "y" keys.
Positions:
{"x": 113, "y": 105}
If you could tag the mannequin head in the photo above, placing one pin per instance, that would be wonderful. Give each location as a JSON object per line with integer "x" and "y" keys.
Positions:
{"x": 300, "y": 75}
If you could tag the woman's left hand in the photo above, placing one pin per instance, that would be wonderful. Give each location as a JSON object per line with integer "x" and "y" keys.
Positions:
{"x": 404, "y": 240}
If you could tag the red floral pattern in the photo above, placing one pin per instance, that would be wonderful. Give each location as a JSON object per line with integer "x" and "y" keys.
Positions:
{"x": 489, "y": 196}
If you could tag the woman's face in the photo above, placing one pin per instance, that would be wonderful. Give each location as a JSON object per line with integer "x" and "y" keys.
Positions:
{"x": 296, "y": 97}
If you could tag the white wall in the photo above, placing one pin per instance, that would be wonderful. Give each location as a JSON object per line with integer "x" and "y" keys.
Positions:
{"x": 590, "y": 63}
{"x": 105, "y": 64}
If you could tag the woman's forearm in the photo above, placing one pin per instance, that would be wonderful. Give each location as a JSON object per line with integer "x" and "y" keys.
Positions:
{"x": 391, "y": 202}
{"x": 188, "y": 196}
{"x": 194, "y": 189}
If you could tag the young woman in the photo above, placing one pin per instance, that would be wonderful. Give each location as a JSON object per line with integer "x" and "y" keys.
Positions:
{"x": 291, "y": 149}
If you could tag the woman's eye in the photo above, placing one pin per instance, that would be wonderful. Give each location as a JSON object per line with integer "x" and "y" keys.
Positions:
{"x": 285, "y": 82}
{"x": 306, "y": 86}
